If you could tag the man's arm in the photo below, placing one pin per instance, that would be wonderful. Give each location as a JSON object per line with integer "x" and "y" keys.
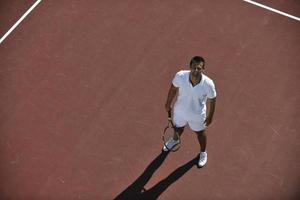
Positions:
{"x": 172, "y": 93}
{"x": 212, "y": 106}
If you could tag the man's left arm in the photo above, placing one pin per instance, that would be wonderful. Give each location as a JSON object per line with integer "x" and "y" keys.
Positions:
{"x": 212, "y": 106}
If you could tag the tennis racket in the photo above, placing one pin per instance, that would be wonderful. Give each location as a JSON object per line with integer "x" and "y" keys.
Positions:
{"x": 170, "y": 137}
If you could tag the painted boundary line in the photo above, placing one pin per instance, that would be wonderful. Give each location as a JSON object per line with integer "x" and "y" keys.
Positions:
{"x": 272, "y": 9}
{"x": 19, "y": 21}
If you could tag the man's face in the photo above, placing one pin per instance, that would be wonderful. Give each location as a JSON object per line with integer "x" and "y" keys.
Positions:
{"x": 197, "y": 68}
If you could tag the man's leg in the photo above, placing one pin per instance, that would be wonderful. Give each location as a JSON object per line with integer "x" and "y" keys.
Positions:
{"x": 202, "y": 138}
{"x": 178, "y": 130}
{"x": 173, "y": 141}
{"x": 179, "y": 123}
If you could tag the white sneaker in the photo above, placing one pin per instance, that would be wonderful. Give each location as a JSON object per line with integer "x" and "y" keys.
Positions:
{"x": 202, "y": 159}
{"x": 170, "y": 144}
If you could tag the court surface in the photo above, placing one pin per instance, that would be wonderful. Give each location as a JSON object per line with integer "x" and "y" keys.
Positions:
{"x": 83, "y": 88}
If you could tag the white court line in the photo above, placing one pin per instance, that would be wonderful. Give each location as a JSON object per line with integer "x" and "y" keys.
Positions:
{"x": 272, "y": 9}
{"x": 38, "y": 1}
{"x": 20, "y": 20}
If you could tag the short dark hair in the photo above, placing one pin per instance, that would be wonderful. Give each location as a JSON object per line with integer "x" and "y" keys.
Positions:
{"x": 197, "y": 60}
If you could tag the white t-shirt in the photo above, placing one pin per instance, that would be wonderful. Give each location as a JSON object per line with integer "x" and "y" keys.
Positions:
{"x": 192, "y": 100}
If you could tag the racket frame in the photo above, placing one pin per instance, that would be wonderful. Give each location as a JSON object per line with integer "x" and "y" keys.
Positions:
{"x": 171, "y": 125}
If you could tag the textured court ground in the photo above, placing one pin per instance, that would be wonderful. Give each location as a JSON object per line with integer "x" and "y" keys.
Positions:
{"x": 83, "y": 86}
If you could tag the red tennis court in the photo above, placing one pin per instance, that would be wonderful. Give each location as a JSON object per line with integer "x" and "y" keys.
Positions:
{"x": 84, "y": 83}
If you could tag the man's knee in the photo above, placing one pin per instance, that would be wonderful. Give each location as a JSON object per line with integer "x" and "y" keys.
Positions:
{"x": 179, "y": 129}
{"x": 201, "y": 133}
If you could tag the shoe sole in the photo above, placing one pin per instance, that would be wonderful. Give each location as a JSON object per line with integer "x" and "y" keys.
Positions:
{"x": 199, "y": 167}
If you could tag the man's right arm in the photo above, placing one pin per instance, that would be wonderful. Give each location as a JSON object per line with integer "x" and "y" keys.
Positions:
{"x": 171, "y": 94}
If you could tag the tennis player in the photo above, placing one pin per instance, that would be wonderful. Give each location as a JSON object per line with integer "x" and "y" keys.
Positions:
{"x": 194, "y": 89}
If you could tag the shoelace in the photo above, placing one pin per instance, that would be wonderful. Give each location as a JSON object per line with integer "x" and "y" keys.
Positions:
{"x": 202, "y": 157}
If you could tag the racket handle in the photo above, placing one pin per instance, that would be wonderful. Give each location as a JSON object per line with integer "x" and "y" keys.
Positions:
{"x": 169, "y": 115}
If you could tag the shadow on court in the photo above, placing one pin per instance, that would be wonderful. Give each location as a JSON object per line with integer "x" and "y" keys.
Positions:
{"x": 136, "y": 190}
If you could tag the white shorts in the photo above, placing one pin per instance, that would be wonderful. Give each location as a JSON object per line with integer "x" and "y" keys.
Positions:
{"x": 195, "y": 121}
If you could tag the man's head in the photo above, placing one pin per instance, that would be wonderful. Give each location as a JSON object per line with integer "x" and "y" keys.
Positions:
{"x": 197, "y": 65}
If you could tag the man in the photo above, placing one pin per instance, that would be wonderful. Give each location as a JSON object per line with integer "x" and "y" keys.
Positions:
{"x": 194, "y": 89}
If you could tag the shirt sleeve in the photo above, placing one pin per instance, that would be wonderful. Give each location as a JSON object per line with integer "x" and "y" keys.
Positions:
{"x": 177, "y": 79}
{"x": 211, "y": 93}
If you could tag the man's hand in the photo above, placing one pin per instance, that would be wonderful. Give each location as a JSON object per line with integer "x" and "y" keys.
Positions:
{"x": 208, "y": 121}
{"x": 168, "y": 107}
{"x": 171, "y": 94}
{"x": 209, "y": 118}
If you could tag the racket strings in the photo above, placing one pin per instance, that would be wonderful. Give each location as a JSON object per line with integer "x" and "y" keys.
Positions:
{"x": 171, "y": 138}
